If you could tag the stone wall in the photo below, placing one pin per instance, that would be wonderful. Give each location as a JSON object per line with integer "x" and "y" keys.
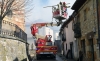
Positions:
{"x": 12, "y": 50}
{"x": 89, "y": 25}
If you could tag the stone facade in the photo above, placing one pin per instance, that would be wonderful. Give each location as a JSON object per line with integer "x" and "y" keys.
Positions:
{"x": 12, "y": 47}
{"x": 12, "y": 50}
{"x": 19, "y": 19}
{"x": 87, "y": 16}
{"x": 18, "y": 16}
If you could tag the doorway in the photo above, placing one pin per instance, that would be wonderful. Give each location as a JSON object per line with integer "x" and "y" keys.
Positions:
{"x": 83, "y": 47}
{"x": 71, "y": 50}
{"x": 91, "y": 49}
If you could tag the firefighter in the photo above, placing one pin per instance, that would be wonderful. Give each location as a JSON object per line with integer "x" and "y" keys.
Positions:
{"x": 64, "y": 4}
{"x": 64, "y": 7}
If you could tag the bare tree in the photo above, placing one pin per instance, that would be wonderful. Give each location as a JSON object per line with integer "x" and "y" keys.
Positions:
{"x": 10, "y": 6}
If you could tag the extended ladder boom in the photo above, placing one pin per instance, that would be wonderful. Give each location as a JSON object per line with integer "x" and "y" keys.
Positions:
{"x": 34, "y": 28}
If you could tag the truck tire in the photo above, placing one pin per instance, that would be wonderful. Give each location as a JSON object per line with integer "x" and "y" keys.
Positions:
{"x": 53, "y": 57}
{"x": 37, "y": 57}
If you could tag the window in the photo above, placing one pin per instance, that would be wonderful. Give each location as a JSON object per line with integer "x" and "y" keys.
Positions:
{"x": 66, "y": 46}
{"x": 76, "y": 45}
{"x": 75, "y": 21}
{"x": 73, "y": 25}
{"x": 85, "y": 15}
{"x": 77, "y": 18}
{"x": 98, "y": 49}
{"x": 63, "y": 36}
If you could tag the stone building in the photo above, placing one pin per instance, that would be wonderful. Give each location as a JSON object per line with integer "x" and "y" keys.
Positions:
{"x": 19, "y": 19}
{"x": 17, "y": 16}
{"x": 85, "y": 29}
{"x": 13, "y": 39}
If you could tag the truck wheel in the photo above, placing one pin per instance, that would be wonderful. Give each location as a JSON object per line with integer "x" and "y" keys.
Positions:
{"x": 37, "y": 57}
{"x": 54, "y": 58}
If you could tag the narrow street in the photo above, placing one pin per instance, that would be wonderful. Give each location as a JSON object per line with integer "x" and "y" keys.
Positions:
{"x": 57, "y": 59}
{"x": 50, "y": 30}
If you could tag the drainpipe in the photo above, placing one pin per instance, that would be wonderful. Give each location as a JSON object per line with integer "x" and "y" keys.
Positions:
{"x": 98, "y": 22}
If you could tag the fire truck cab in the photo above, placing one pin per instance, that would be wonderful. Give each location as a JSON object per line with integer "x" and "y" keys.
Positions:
{"x": 45, "y": 49}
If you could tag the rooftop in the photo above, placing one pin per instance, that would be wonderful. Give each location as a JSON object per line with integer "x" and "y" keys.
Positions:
{"x": 78, "y": 4}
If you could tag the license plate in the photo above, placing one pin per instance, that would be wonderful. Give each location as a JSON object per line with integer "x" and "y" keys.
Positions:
{"x": 46, "y": 52}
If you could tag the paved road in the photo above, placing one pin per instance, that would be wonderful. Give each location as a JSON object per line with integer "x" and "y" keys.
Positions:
{"x": 57, "y": 59}
{"x": 32, "y": 53}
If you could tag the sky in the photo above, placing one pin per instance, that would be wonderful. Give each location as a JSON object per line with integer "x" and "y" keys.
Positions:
{"x": 40, "y": 14}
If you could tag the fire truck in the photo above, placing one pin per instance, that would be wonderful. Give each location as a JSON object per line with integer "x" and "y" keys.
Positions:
{"x": 44, "y": 46}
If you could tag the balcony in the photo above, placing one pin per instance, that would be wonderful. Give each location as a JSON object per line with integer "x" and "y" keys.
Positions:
{"x": 77, "y": 30}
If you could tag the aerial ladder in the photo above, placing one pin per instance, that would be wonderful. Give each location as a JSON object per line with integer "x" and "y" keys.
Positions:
{"x": 36, "y": 26}
{"x": 44, "y": 47}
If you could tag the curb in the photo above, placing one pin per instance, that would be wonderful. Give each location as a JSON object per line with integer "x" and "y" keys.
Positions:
{"x": 64, "y": 58}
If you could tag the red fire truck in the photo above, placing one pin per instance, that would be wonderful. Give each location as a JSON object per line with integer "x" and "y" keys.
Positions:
{"x": 44, "y": 46}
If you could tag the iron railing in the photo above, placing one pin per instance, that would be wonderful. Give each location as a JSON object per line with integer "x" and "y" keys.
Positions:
{"x": 10, "y": 29}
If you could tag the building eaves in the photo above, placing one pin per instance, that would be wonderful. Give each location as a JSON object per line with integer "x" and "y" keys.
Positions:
{"x": 66, "y": 22}
{"x": 78, "y": 4}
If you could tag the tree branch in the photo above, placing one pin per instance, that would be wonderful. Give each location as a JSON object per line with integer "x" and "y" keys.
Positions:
{"x": 14, "y": 5}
